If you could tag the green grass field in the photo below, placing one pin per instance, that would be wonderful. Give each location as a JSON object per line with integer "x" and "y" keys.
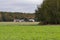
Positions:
{"x": 28, "y": 31}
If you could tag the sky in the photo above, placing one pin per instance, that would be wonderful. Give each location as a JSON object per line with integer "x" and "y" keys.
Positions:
{"x": 28, "y": 6}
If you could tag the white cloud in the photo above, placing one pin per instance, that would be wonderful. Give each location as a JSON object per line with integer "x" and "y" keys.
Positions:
{"x": 19, "y": 5}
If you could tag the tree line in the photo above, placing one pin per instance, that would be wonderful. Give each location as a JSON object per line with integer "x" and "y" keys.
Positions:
{"x": 10, "y": 16}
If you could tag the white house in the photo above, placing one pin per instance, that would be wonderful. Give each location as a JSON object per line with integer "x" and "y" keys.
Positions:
{"x": 31, "y": 20}
{"x": 18, "y": 20}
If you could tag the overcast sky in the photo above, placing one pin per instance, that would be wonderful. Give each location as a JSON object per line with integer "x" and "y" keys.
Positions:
{"x": 19, "y": 5}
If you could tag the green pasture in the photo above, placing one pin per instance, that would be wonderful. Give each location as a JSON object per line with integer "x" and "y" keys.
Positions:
{"x": 28, "y": 31}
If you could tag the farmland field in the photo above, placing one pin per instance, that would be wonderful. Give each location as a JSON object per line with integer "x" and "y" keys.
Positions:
{"x": 28, "y": 31}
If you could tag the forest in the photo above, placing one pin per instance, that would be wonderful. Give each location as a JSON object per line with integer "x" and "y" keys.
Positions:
{"x": 10, "y": 16}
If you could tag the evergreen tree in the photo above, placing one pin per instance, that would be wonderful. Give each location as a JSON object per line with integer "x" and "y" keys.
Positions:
{"x": 49, "y": 12}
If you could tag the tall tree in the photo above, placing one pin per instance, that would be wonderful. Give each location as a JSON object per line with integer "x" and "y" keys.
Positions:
{"x": 49, "y": 12}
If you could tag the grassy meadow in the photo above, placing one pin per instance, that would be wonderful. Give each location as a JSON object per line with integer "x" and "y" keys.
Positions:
{"x": 28, "y": 31}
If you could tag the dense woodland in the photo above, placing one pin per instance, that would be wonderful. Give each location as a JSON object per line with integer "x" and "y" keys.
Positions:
{"x": 10, "y": 16}
{"x": 49, "y": 12}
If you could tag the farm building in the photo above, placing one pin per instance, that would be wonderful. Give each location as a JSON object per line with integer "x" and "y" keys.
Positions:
{"x": 24, "y": 20}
